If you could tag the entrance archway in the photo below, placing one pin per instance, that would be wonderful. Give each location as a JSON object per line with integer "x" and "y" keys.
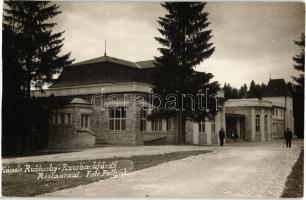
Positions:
{"x": 235, "y": 126}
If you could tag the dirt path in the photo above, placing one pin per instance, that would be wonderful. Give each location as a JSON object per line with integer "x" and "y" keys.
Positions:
{"x": 233, "y": 171}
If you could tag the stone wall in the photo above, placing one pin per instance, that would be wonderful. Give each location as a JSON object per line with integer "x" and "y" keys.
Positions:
{"x": 202, "y": 138}
{"x": 209, "y": 136}
{"x": 149, "y": 136}
{"x": 67, "y": 138}
{"x": 189, "y": 132}
{"x": 106, "y": 136}
{"x": 71, "y": 136}
{"x": 130, "y": 136}
{"x": 214, "y": 138}
{"x": 258, "y": 137}
{"x": 267, "y": 137}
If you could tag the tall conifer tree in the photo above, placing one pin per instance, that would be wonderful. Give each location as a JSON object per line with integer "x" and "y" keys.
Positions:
{"x": 31, "y": 56}
{"x": 38, "y": 47}
{"x": 298, "y": 87}
{"x": 185, "y": 44}
{"x": 299, "y": 64}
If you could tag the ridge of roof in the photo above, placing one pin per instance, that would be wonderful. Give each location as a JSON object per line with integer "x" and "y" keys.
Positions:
{"x": 107, "y": 59}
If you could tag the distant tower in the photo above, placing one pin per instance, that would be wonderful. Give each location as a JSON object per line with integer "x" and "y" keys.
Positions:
{"x": 269, "y": 75}
{"x": 105, "y": 48}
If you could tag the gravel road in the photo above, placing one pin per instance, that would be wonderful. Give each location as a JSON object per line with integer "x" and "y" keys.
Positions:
{"x": 257, "y": 170}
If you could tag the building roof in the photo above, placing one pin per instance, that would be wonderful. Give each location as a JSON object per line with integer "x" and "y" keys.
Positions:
{"x": 108, "y": 59}
{"x": 138, "y": 65}
{"x": 105, "y": 69}
{"x": 146, "y": 64}
{"x": 276, "y": 88}
{"x": 252, "y": 102}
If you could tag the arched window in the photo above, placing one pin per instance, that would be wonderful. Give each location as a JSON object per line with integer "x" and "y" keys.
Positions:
{"x": 85, "y": 121}
{"x": 257, "y": 123}
{"x": 202, "y": 127}
{"x": 266, "y": 123}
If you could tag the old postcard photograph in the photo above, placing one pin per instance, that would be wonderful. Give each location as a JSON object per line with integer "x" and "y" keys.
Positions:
{"x": 153, "y": 99}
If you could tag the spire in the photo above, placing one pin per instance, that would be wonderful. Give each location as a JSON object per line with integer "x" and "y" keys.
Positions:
{"x": 105, "y": 48}
{"x": 269, "y": 75}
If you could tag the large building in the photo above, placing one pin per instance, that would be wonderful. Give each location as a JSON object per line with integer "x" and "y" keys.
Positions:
{"x": 282, "y": 106}
{"x": 250, "y": 119}
{"x": 261, "y": 119}
{"x": 86, "y": 114}
{"x": 81, "y": 122}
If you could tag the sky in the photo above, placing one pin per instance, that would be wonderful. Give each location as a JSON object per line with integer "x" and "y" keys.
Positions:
{"x": 253, "y": 40}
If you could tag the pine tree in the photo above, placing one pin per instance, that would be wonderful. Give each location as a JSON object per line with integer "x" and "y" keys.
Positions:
{"x": 243, "y": 91}
{"x": 185, "y": 44}
{"x": 31, "y": 56}
{"x": 231, "y": 92}
{"x": 256, "y": 90}
{"x": 299, "y": 65}
{"x": 252, "y": 90}
{"x": 298, "y": 88}
{"x": 38, "y": 47}
{"x": 227, "y": 91}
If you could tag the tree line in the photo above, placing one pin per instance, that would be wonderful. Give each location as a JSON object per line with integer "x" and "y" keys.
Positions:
{"x": 253, "y": 91}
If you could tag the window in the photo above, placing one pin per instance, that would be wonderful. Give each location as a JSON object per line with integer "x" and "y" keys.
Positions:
{"x": 257, "y": 123}
{"x": 117, "y": 118}
{"x": 282, "y": 126}
{"x": 62, "y": 117}
{"x": 274, "y": 127}
{"x": 156, "y": 125}
{"x": 266, "y": 123}
{"x": 143, "y": 119}
{"x": 202, "y": 127}
{"x": 54, "y": 119}
{"x": 85, "y": 121}
{"x": 213, "y": 125}
{"x": 68, "y": 118}
{"x": 276, "y": 112}
{"x": 58, "y": 119}
{"x": 169, "y": 126}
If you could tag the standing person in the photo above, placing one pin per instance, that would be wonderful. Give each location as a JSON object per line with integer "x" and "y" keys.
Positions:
{"x": 221, "y": 136}
{"x": 288, "y": 137}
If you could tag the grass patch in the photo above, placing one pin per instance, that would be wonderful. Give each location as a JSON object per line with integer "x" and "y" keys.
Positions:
{"x": 295, "y": 181}
{"x": 23, "y": 185}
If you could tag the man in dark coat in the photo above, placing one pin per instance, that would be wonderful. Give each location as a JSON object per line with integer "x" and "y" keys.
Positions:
{"x": 221, "y": 136}
{"x": 288, "y": 137}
